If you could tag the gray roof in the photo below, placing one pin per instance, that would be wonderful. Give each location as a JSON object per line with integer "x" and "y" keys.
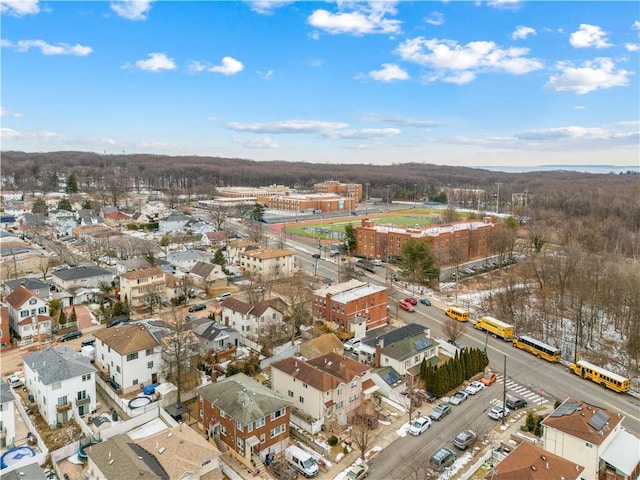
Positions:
{"x": 58, "y": 364}
{"x": 119, "y": 457}
{"x": 176, "y": 216}
{"x": 212, "y": 331}
{"x": 85, "y": 271}
{"x": 395, "y": 335}
{"x": 29, "y": 283}
{"x": 242, "y": 398}
{"x": 31, "y": 471}
{"x": 5, "y": 393}
{"x": 407, "y": 347}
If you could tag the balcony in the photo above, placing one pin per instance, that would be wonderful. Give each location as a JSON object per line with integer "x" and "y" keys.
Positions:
{"x": 64, "y": 407}
{"x": 83, "y": 401}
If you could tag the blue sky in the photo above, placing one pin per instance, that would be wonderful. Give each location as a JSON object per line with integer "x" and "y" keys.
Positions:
{"x": 453, "y": 83}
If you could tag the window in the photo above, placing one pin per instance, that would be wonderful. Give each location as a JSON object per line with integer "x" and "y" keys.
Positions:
{"x": 262, "y": 438}
{"x": 290, "y": 393}
{"x": 301, "y": 399}
{"x": 260, "y": 422}
{"x": 354, "y": 384}
{"x": 135, "y": 381}
{"x": 86, "y": 377}
{"x": 277, "y": 414}
{"x": 82, "y": 395}
{"x": 149, "y": 364}
{"x": 42, "y": 310}
{"x": 239, "y": 426}
{"x": 250, "y": 427}
{"x": 353, "y": 399}
{"x": 305, "y": 385}
{"x": 340, "y": 405}
{"x": 222, "y": 414}
{"x": 132, "y": 356}
{"x": 149, "y": 352}
{"x": 278, "y": 430}
{"x": 118, "y": 368}
{"x": 340, "y": 391}
{"x": 62, "y": 401}
{"x": 56, "y": 386}
{"x": 223, "y": 430}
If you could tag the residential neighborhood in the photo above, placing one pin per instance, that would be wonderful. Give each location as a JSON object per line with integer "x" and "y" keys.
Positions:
{"x": 204, "y": 340}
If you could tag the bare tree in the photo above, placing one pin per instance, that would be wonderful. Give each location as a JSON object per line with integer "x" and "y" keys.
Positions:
{"x": 452, "y": 329}
{"x": 219, "y": 215}
{"x": 417, "y": 467}
{"x": 296, "y": 293}
{"x": 361, "y": 431}
{"x": 179, "y": 353}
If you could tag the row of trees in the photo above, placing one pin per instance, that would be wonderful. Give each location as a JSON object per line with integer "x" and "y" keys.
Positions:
{"x": 467, "y": 363}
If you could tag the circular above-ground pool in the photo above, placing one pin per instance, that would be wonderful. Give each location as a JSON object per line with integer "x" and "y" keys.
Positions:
{"x": 139, "y": 402}
{"x": 15, "y": 455}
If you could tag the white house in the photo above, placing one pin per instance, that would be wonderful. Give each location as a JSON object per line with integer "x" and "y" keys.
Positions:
{"x": 186, "y": 260}
{"x": 7, "y": 417}
{"x": 143, "y": 287}
{"x": 173, "y": 222}
{"x": 85, "y": 276}
{"x": 251, "y": 320}
{"x": 328, "y": 387}
{"x": 205, "y": 275}
{"x": 29, "y": 314}
{"x": 62, "y": 383}
{"x": 268, "y": 263}
{"x": 129, "y": 355}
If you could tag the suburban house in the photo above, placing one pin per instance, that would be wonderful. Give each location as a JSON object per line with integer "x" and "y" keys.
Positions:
{"x": 214, "y": 336}
{"x": 268, "y": 263}
{"x": 174, "y": 222}
{"x": 131, "y": 264}
{"x": 594, "y": 438}
{"x": 251, "y": 319}
{"x": 5, "y": 327}
{"x": 129, "y": 356}
{"x": 317, "y": 346}
{"x": 85, "y": 276}
{"x": 206, "y": 275}
{"x": 214, "y": 239}
{"x": 143, "y": 287}
{"x": 29, "y": 314}
{"x": 186, "y": 260}
{"x": 7, "y": 415}
{"x": 116, "y": 218}
{"x": 175, "y": 286}
{"x": 238, "y": 247}
{"x": 346, "y": 303}
{"x": 249, "y": 418}
{"x": 534, "y": 463}
{"x": 327, "y": 388}
{"x": 37, "y": 286}
{"x": 62, "y": 383}
{"x": 390, "y": 384}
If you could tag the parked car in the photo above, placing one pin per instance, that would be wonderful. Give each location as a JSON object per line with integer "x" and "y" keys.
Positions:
{"x": 411, "y": 300}
{"x": 425, "y": 301}
{"x": 474, "y": 387}
{"x": 70, "y": 336}
{"x": 439, "y": 412}
{"x": 465, "y": 439}
{"x": 350, "y": 344}
{"x": 514, "y": 403}
{"x": 498, "y": 412}
{"x": 443, "y": 458}
{"x": 458, "y": 397}
{"x": 221, "y": 297}
{"x": 118, "y": 321}
{"x": 419, "y": 425}
{"x": 357, "y": 472}
{"x": 15, "y": 381}
{"x": 488, "y": 378}
{"x": 197, "y": 307}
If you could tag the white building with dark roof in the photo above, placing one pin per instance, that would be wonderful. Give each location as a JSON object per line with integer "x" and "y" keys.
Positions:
{"x": 62, "y": 383}
{"x": 85, "y": 276}
{"x": 7, "y": 416}
{"x": 251, "y": 319}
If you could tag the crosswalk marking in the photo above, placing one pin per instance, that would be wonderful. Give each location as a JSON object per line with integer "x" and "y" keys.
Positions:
{"x": 521, "y": 390}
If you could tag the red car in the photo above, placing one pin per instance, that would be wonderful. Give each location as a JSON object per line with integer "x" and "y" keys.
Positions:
{"x": 412, "y": 301}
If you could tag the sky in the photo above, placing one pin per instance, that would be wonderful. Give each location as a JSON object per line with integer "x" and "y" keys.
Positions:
{"x": 461, "y": 83}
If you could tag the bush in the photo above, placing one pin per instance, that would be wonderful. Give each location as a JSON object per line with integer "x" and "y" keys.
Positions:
{"x": 333, "y": 440}
{"x": 345, "y": 450}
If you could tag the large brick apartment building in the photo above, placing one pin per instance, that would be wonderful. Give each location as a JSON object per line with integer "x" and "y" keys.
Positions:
{"x": 347, "y": 189}
{"x": 451, "y": 243}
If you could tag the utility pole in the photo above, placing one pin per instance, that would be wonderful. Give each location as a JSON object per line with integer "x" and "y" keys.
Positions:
{"x": 504, "y": 392}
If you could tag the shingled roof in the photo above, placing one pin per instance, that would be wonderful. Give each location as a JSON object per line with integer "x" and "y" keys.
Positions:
{"x": 126, "y": 339}
{"x": 57, "y": 364}
{"x": 242, "y": 398}
{"x": 20, "y": 296}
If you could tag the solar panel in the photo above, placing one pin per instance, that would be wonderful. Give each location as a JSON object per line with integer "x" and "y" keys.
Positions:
{"x": 421, "y": 344}
{"x": 565, "y": 409}
{"x": 598, "y": 420}
{"x": 391, "y": 377}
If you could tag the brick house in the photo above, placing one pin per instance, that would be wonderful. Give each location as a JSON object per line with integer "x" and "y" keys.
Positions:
{"x": 249, "y": 418}
{"x": 342, "y": 302}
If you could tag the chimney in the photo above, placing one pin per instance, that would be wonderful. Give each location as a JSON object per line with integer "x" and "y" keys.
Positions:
{"x": 378, "y": 350}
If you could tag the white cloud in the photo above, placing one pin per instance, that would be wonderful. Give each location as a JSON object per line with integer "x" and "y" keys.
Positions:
{"x": 266, "y": 7}
{"x": 592, "y": 75}
{"x": 589, "y": 36}
{"x": 47, "y": 48}
{"x": 579, "y": 107}
{"x": 365, "y": 18}
{"x": 363, "y": 133}
{"x": 316, "y": 62}
{"x": 450, "y": 59}
{"x": 388, "y": 73}
{"x": 132, "y": 9}
{"x": 156, "y": 63}
{"x": 402, "y": 121}
{"x": 521, "y": 32}
{"x": 19, "y": 8}
{"x": 435, "y": 18}
{"x": 229, "y": 66}
{"x": 288, "y": 126}
{"x": 266, "y": 75}
{"x": 257, "y": 142}
{"x": 620, "y": 134}
{"x": 632, "y": 47}
{"x": 504, "y": 4}
{"x": 636, "y": 25}
{"x": 6, "y": 113}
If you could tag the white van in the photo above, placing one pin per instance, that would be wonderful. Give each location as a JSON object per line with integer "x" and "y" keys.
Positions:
{"x": 301, "y": 461}
{"x": 222, "y": 296}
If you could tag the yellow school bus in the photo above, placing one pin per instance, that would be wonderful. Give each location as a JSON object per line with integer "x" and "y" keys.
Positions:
{"x": 538, "y": 348}
{"x": 457, "y": 314}
{"x": 599, "y": 375}
{"x": 495, "y": 327}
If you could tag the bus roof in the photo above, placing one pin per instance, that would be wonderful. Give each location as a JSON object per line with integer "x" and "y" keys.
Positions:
{"x": 614, "y": 376}
{"x": 498, "y": 323}
{"x": 542, "y": 344}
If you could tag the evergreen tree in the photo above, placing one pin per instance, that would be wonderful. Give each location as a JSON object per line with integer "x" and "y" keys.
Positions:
{"x": 86, "y": 205}
{"x": 72, "y": 183}
{"x": 65, "y": 204}
{"x": 39, "y": 206}
{"x": 257, "y": 213}
{"x": 74, "y": 317}
{"x": 349, "y": 238}
{"x": 62, "y": 319}
{"x": 218, "y": 258}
